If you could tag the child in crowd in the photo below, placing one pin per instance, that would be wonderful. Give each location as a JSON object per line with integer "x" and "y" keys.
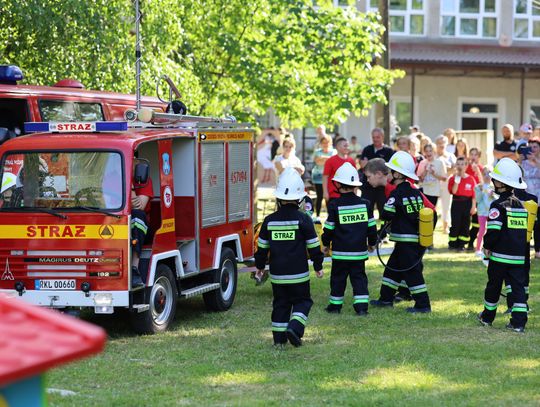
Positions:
{"x": 350, "y": 228}
{"x": 484, "y": 196}
{"x": 461, "y": 186}
{"x": 285, "y": 235}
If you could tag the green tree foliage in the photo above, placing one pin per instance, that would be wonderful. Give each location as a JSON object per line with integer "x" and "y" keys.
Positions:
{"x": 310, "y": 64}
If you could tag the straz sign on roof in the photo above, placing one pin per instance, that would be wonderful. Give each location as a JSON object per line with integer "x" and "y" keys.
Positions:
{"x": 74, "y": 127}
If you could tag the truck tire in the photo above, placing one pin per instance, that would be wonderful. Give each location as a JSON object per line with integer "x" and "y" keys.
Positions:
{"x": 222, "y": 298}
{"x": 162, "y": 302}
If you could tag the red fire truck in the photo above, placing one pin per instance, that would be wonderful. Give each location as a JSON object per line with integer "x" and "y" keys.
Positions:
{"x": 67, "y": 100}
{"x": 65, "y": 212}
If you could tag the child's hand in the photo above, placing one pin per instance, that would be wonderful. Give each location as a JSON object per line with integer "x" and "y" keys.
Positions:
{"x": 319, "y": 273}
{"x": 487, "y": 253}
{"x": 371, "y": 248}
{"x": 325, "y": 250}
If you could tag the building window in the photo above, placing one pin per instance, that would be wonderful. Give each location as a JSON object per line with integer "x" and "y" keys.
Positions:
{"x": 407, "y": 17}
{"x": 469, "y": 18}
{"x": 400, "y": 112}
{"x": 526, "y": 20}
{"x": 533, "y": 116}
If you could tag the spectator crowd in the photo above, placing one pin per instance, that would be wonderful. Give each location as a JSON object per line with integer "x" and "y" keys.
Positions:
{"x": 450, "y": 173}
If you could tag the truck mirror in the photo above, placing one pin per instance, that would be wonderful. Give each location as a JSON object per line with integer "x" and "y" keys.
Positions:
{"x": 141, "y": 173}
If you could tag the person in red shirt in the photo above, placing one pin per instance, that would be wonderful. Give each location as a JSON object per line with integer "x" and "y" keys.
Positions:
{"x": 140, "y": 219}
{"x": 331, "y": 165}
{"x": 461, "y": 186}
{"x": 475, "y": 170}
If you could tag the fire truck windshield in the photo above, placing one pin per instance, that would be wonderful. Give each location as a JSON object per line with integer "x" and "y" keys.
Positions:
{"x": 62, "y": 180}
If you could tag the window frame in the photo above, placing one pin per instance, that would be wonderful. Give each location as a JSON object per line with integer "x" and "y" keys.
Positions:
{"x": 394, "y": 100}
{"x": 479, "y": 17}
{"x": 407, "y": 14}
{"x": 528, "y": 15}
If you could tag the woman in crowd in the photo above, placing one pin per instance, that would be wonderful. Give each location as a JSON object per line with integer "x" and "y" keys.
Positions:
{"x": 403, "y": 143}
{"x": 264, "y": 153}
{"x": 462, "y": 149}
{"x": 531, "y": 171}
{"x": 415, "y": 150}
{"x": 288, "y": 158}
{"x": 452, "y": 138}
{"x": 484, "y": 196}
{"x": 320, "y": 156}
{"x": 449, "y": 161}
{"x": 431, "y": 172}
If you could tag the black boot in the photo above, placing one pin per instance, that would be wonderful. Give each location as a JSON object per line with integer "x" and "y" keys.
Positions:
{"x": 136, "y": 280}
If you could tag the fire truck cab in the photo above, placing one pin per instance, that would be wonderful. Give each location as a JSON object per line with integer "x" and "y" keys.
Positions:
{"x": 65, "y": 215}
{"x": 67, "y": 100}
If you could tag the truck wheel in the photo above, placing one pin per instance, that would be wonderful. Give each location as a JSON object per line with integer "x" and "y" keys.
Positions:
{"x": 222, "y": 298}
{"x": 162, "y": 302}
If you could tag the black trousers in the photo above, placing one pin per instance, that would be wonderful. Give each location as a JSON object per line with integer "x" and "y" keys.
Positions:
{"x": 473, "y": 233}
{"x": 318, "y": 202}
{"x": 509, "y": 297}
{"x": 355, "y": 270}
{"x": 460, "y": 215}
{"x": 404, "y": 256}
{"x": 139, "y": 229}
{"x": 375, "y": 196}
{"x": 515, "y": 276}
{"x": 290, "y": 309}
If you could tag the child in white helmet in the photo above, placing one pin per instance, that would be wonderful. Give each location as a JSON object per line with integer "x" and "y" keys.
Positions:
{"x": 285, "y": 235}
{"x": 402, "y": 209}
{"x": 350, "y": 228}
{"x": 504, "y": 245}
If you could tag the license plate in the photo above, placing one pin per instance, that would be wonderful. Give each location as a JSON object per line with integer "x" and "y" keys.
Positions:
{"x": 55, "y": 284}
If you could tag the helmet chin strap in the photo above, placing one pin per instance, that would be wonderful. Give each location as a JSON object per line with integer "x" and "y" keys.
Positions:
{"x": 394, "y": 178}
{"x": 336, "y": 185}
{"x": 297, "y": 203}
{"x": 500, "y": 187}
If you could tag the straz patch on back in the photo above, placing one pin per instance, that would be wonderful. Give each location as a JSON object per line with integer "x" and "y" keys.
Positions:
{"x": 356, "y": 216}
{"x": 283, "y": 235}
{"x": 517, "y": 222}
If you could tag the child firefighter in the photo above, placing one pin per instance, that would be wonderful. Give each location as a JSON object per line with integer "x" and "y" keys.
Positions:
{"x": 285, "y": 235}
{"x": 504, "y": 245}
{"x": 402, "y": 209}
{"x": 350, "y": 227}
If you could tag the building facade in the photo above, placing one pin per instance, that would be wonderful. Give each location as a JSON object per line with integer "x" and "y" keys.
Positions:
{"x": 470, "y": 64}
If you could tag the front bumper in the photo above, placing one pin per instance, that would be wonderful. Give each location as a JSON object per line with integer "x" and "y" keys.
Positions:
{"x": 60, "y": 299}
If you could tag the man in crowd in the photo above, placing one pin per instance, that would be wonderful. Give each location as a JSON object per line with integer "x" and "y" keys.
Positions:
{"x": 375, "y": 195}
{"x": 507, "y": 147}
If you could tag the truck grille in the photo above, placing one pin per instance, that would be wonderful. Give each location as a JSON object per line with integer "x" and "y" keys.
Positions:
{"x": 61, "y": 263}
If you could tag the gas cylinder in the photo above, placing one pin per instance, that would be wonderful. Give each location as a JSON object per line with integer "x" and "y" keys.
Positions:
{"x": 532, "y": 209}
{"x": 425, "y": 228}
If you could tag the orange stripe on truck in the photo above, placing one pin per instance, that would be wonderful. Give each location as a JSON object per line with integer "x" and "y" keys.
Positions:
{"x": 102, "y": 232}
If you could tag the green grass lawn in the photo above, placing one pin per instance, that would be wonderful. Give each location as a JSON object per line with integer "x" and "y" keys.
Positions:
{"x": 389, "y": 358}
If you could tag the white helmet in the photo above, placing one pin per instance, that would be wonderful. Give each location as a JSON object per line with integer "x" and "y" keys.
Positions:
{"x": 9, "y": 180}
{"x": 508, "y": 172}
{"x": 290, "y": 186}
{"x": 347, "y": 175}
{"x": 403, "y": 163}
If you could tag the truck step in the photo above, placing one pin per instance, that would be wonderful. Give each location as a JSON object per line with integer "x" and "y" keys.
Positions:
{"x": 138, "y": 308}
{"x": 192, "y": 292}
